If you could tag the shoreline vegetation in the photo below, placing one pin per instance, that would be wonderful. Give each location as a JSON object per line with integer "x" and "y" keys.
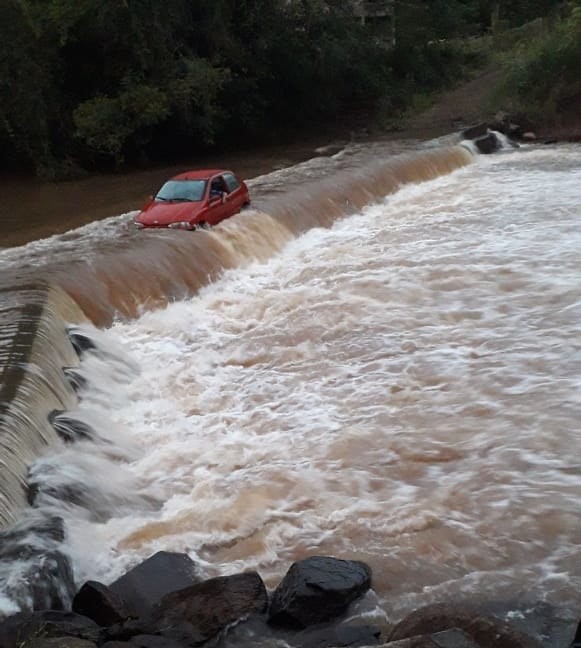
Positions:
{"x": 86, "y": 89}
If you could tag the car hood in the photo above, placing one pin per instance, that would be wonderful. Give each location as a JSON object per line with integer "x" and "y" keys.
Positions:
{"x": 162, "y": 213}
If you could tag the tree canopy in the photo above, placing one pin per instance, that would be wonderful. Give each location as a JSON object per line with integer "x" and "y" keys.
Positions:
{"x": 93, "y": 83}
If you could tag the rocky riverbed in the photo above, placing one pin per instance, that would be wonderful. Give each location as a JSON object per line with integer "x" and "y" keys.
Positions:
{"x": 162, "y": 603}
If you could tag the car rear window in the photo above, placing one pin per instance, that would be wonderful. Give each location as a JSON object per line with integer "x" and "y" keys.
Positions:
{"x": 231, "y": 181}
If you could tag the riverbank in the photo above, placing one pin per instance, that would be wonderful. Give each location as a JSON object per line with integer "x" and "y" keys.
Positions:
{"x": 163, "y": 603}
{"x": 473, "y": 102}
{"x": 34, "y": 209}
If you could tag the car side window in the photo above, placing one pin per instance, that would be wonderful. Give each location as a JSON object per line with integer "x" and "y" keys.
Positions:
{"x": 218, "y": 186}
{"x": 231, "y": 181}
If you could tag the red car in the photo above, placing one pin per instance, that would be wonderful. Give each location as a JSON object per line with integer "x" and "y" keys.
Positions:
{"x": 195, "y": 199}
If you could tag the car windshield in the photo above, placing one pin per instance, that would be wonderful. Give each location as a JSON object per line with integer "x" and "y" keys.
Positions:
{"x": 185, "y": 190}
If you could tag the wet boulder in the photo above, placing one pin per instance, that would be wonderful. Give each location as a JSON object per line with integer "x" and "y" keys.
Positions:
{"x": 75, "y": 379}
{"x": 99, "y": 603}
{"x": 512, "y": 125}
{"x": 317, "y": 590}
{"x": 24, "y": 628}
{"x": 60, "y": 642}
{"x": 81, "y": 341}
{"x": 478, "y": 130}
{"x": 45, "y": 579}
{"x": 143, "y": 587}
{"x": 341, "y": 636}
{"x": 71, "y": 429}
{"x": 485, "y": 631}
{"x": 52, "y": 582}
{"x": 488, "y": 144}
{"x": 577, "y": 639}
{"x": 255, "y": 631}
{"x": 453, "y": 638}
{"x": 153, "y": 641}
{"x": 125, "y": 631}
{"x": 549, "y": 624}
{"x": 197, "y": 613}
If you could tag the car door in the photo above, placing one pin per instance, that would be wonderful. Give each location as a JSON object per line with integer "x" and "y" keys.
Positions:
{"x": 218, "y": 201}
{"x": 236, "y": 197}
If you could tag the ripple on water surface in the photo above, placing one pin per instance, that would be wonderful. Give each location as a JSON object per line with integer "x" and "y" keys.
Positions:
{"x": 401, "y": 388}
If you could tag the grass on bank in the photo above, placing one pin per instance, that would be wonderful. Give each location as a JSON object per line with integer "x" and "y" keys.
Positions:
{"x": 542, "y": 68}
{"x": 539, "y": 64}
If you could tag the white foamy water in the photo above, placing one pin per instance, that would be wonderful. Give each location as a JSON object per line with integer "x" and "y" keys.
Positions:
{"x": 403, "y": 388}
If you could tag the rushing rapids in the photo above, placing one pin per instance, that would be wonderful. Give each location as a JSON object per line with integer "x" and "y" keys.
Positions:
{"x": 379, "y": 362}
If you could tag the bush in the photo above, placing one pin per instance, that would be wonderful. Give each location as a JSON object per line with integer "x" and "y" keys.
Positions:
{"x": 106, "y": 123}
{"x": 542, "y": 75}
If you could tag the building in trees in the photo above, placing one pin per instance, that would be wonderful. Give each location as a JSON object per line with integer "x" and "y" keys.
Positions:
{"x": 379, "y": 16}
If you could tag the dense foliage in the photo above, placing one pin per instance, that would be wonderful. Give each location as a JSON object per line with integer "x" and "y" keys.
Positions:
{"x": 93, "y": 83}
{"x": 542, "y": 73}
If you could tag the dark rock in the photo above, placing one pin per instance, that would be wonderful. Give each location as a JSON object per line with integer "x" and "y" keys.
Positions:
{"x": 124, "y": 632}
{"x": 521, "y": 124}
{"x": 550, "y": 625}
{"x": 453, "y": 638}
{"x": 70, "y": 429}
{"x": 46, "y": 583}
{"x": 60, "y": 642}
{"x": 24, "y": 540}
{"x": 512, "y": 125}
{"x": 250, "y": 632}
{"x": 423, "y": 641}
{"x": 116, "y": 644}
{"x": 80, "y": 341}
{"x": 143, "y": 586}
{"x": 503, "y": 123}
{"x": 75, "y": 378}
{"x": 486, "y": 631}
{"x": 341, "y": 636}
{"x": 153, "y": 641}
{"x": 23, "y": 627}
{"x": 77, "y": 494}
{"x": 52, "y": 582}
{"x": 46, "y": 580}
{"x": 197, "y": 613}
{"x": 488, "y": 144}
{"x": 577, "y": 640}
{"x": 316, "y": 590}
{"x": 98, "y": 602}
{"x": 478, "y": 130}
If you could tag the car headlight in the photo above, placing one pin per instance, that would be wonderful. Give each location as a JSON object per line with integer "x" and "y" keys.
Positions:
{"x": 180, "y": 225}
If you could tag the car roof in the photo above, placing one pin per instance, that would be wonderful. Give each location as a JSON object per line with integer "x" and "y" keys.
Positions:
{"x": 199, "y": 174}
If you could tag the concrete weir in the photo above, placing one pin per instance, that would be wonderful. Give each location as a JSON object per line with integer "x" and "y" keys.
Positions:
{"x": 34, "y": 350}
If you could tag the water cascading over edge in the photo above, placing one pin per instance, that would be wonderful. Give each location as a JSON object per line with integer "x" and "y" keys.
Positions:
{"x": 34, "y": 351}
{"x": 148, "y": 269}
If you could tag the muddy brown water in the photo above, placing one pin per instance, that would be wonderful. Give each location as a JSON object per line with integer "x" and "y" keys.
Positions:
{"x": 381, "y": 361}
{"x": 31, "y": 209}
